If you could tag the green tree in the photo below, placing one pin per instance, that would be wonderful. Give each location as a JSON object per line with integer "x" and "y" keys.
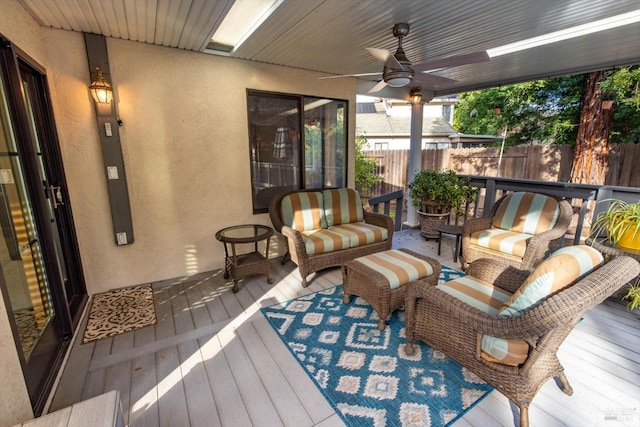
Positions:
{"x": 623, "y": 87}
{"x": 548, "y": 111}
{"x": 365, "y": 167}
{"x": 543, "y": 111}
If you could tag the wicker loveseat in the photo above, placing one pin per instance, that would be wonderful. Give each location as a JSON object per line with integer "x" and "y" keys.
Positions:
{"x": 472, "y": 319}
{"x": 325, "y": 227}
{"x": 518, "y": 230}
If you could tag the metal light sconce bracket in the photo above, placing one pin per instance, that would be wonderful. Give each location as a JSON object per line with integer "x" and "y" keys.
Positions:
{"x": 415, "y": 95}
{"x": 100, "y": 88}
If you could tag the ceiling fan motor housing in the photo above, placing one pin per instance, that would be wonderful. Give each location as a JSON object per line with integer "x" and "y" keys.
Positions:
{"x": 395, "y": 77}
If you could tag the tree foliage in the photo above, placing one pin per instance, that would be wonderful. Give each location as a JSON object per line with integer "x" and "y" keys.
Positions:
{"x": 365, "y": 167}
{"x": 548, "y": 111}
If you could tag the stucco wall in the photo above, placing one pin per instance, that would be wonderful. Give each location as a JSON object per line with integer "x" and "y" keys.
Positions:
{"x": 186, "y": 155}
{"x": 185, "y": 146}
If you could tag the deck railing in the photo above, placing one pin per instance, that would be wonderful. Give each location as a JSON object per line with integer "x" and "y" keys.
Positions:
{"x": 588, "y": 200}
{"x": 386, "y": 200}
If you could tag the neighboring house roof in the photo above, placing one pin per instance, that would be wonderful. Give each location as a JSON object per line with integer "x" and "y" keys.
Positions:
{"x": 380, "y": 124}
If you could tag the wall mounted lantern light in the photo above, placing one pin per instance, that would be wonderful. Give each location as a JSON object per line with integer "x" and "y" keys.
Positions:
{"x": 416, "y": 96}
{"x": 100, "y": 88}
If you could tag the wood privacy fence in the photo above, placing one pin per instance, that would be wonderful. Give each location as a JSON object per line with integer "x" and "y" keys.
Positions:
{"x": 551, "y": 163}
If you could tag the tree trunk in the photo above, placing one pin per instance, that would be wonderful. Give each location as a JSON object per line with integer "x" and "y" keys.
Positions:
{"x": 592, "y": 146}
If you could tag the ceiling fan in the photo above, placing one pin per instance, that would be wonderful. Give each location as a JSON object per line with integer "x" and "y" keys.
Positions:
{"x": 398, "y": 71}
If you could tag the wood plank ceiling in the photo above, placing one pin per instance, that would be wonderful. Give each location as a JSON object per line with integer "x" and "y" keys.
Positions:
{"x": 330, "y": 36}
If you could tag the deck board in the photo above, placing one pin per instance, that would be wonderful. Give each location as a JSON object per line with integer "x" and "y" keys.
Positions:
{"x": 212, "y": 359}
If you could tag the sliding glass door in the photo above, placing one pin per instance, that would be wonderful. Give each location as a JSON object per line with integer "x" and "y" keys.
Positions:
{"x": 41, "y": 281}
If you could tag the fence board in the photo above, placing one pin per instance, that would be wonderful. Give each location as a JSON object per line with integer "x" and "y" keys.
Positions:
{"x": 550, "y": 163}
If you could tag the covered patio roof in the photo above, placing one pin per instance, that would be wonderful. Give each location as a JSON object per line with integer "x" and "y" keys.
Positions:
{"x": 330, "y": 36}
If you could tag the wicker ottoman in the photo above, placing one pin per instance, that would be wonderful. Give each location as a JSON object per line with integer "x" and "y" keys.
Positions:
{"x": 381, "y": 278}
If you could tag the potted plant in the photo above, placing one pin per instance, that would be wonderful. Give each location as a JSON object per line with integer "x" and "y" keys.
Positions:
{"x": 621, "y": 223}
{"x": 436, "y": 193}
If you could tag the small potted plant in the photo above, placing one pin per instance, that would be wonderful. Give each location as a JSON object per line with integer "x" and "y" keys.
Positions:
{"x": 436, "y": 194}
{"x": 621, "y": 223}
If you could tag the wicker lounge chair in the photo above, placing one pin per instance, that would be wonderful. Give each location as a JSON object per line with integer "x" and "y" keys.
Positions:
{"x": 509, "y": 221}
{"x": 456, "y": 328}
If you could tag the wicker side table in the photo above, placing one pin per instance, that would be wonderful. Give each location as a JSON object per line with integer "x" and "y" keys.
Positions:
{"x": 238, "y": 266}
{"x": 610, "y": 252}
{"x": 368, "y": 283}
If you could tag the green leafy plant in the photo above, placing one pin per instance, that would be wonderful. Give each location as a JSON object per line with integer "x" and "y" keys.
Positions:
{"x": 633, "y": 295}
{"x": 443, "y": 190}
{"x": 621, "y": 217}
{"x": 365, "y": 167}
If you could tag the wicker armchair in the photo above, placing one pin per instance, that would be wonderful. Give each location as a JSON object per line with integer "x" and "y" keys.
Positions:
{"x": 454, "y": 327}
{"x": 537, "y": 243}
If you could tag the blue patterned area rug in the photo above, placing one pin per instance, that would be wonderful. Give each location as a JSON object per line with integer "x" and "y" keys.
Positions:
{"x": 363, "y": 372}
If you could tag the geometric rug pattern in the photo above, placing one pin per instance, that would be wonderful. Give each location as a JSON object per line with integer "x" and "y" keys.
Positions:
{"x": 119, "y": 311}
{"x": 363, "y": 372}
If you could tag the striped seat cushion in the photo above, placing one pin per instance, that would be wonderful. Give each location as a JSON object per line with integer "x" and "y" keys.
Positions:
{"x": 361, "y": 233}
{"x": 528, "y": 213}
{"x": 323, "y": 240}
{"x": 303, "y": 211}
{"x": 489, "y": 299}
{"x": 399, "y": 268}
{"x": 561, "y": 269}
{"x": 497, "y": 239}
{"x": 342, "y": 206}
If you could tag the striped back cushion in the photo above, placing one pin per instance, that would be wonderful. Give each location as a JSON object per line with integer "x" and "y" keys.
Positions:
{"x": 398, "y": 267}
{"x": 563, "y": 268}
{"x": 303, "y": 211}
{"x": 528, "y": 213}
{"x": 342, "y": 206}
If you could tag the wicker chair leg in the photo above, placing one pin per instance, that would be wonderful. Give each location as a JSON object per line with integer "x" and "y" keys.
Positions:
{"x": 524, "y": 416}
{"x": 346, "y": 298}
{"x": 408, "y": 349}
{"x": 564, "y": 384}
{"x": 382, "y": 323}
{"x": 303, "y": 282}
{"x": 286, "y": 257}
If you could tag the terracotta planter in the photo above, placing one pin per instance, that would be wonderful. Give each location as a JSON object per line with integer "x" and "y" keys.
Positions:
{"x": 429, "y": 222}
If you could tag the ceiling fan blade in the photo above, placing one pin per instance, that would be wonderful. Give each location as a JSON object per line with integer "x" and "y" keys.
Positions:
{"x": 386, "y": 57}
{"x": 349, "y": 75}
{"x": 452, "y": 61}
{"x": 379, "y": 86}
{"x": 433, "y": 79}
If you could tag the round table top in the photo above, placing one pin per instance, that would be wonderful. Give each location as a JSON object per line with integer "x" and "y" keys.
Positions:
{"x": 450, "y": 229}
{"x": 244, "y": 233}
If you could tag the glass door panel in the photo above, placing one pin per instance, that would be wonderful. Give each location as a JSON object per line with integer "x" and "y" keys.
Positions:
{"x": 20, "y": 250}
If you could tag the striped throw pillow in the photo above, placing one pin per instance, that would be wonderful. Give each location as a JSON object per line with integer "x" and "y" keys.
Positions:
{"x": 528, "y": 213}
{"x": 342, "y": 206}
{"x": 398, "y": 267}
{"x": 561, "y": 269}
{"x": 303, "y": 211}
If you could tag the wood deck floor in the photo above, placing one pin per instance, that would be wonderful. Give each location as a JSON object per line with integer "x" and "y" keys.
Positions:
{"x": 213, "y": 360}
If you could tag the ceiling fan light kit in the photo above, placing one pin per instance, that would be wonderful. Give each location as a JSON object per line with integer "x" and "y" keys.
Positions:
{"x": 398, "y": 70}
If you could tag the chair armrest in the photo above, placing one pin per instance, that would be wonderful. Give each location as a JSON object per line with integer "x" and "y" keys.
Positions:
{"x": 380, "y": 220}
{"x": 499, "y": 273}
{"x": 296, "y": 244}
{"x": 475, "y": 224}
